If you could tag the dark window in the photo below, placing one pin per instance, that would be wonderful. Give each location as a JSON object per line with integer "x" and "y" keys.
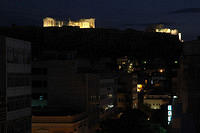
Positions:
{"x": 39, "y": 71}
{"x": 19, "y": 102}
{"x": 17, "y": 80}
{"x": 37, "y": 83}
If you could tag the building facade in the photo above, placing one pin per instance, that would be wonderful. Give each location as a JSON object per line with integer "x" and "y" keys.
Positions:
{"x": 2, "y": 85}
{"x": 76, "y": 123}
{"x": 15, "y": 85}
{"x": 61, "y": 84}
{"x": 156, "y": 101}
{"x": 107, "y": 95}
{"x": 188, "y": 116}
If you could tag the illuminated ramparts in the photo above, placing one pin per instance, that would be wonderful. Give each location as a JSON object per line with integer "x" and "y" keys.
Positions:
{"x": 170, "y": 31}
{"x": 82, "y": 23}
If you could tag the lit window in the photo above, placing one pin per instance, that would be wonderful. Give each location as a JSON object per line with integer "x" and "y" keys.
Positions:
{"x": 145, "y": 81}
{"x": 139, "y": 87}
{"x": 41, "y": 98}
{"x": 120, "y": 67}
{"x": 109, "y": 95}
{"x": 110, "y": 106}
{"x": 123, "y": 62}
{"x": 161, "y": 70}
{"x": 157, "y": 84}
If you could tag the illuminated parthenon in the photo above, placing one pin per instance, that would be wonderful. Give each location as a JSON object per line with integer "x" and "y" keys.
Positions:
{"x": 82, "y": 23}
{"x": 50, "y": 22}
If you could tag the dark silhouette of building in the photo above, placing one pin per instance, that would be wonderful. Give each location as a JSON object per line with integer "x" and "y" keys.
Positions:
{"x": 188, "y": 111}
{"x": 15, "y": 85}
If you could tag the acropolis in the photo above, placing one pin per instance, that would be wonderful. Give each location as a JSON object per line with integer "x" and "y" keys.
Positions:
{"x": 82, "y": 23}
{"x": 160, "y": 28}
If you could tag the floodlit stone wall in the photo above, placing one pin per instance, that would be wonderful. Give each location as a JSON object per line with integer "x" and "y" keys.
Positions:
{"x": 82, "y": 23}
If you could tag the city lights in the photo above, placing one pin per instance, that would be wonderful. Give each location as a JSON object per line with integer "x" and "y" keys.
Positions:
{"x": 99, "y": 67}
{"x": 161, "y": 70}
{"x": 120, "y": 67}
{"x": 139, "y": 87}
{"x": 170, "y": 31}
{"x": 146, "y": 81}
{"x": 175, "y": 97}
{"x": 169, "y": 114}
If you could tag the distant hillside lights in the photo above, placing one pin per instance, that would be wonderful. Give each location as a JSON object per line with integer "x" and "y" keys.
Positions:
{"x": 82, "y": 23}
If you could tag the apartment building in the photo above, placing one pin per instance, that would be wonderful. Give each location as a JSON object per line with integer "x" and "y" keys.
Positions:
{"x": 15, "y": 85}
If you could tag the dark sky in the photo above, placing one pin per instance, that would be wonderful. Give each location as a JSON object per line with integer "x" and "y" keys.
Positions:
{"x": 136, "y": 14}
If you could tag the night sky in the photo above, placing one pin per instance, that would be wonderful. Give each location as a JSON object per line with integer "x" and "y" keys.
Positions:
{"x": 136, "y": 14}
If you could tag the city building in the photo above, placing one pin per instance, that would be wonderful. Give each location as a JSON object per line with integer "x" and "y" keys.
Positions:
{"x": 152, "y": 80}
{"x": 3, "y": 81}
{"x": 55, "y": 121}
{"x": 82, "y": 23}
{"x": 107, "y": 93}
{"x": 126, "y": 92}
{"x": 63, "y": 84}
{"x": 53, "y": 52}
{"x": 157, "y": 88}
{"x": 156, "y": 100}
{"x": 15, "y": 64}
{"x": 187, "y": 113}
